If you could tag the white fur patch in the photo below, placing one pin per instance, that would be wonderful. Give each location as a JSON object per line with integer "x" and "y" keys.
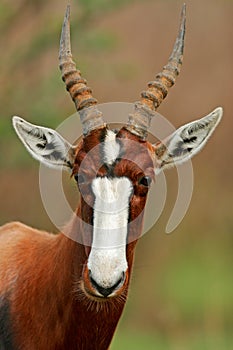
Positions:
{"x": 111, "y": 147}
{"x": 107, "y": 259}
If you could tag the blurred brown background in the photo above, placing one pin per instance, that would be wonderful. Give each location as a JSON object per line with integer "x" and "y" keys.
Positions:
{"x": 182, "y": 290}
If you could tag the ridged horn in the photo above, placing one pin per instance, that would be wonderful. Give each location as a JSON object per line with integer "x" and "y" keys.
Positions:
{"x": 81, "y": 94}
{"x": 139, "y": 121}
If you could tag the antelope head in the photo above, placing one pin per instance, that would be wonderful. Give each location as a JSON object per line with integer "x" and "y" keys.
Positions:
{"x": 114, "y": 169}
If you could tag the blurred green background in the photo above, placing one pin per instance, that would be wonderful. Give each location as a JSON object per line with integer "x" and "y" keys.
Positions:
{"x": 181, "y": 294}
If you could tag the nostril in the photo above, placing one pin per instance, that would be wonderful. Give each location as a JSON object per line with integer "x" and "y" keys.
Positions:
{"x": 107, "y": 291}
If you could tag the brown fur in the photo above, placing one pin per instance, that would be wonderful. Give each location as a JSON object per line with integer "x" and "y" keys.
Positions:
{"x": 41, "y": 274}
{"x": 45, "y": 276}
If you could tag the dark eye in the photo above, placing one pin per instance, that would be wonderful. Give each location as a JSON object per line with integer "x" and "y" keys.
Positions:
{"x": 145, "y": 181}
{"x": 79, "y": 178}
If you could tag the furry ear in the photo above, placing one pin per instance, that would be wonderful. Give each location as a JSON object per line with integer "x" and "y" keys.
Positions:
{"x": 187, "y": 141}
{"x": 44, "y": 144}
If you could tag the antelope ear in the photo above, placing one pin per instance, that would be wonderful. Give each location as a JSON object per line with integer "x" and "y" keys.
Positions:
{"x": 187, "y": 141}
{"x": 44, "y": 144}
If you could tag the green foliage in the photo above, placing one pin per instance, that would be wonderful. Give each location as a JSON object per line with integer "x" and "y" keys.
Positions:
{"x": 199, "y": 285}
{"x": 186, "y": 341}
{"x": 138, "y": 341}
{"x": 7, "y": 11}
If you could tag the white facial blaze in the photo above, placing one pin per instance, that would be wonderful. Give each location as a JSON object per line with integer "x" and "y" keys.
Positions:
{"x": 111, "y": 147}
{"x": 107, "y": 259}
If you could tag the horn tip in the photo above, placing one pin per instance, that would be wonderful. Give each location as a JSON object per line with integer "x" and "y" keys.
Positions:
{"x": 184, "y": 8}
{"x": 183, "y": 14}
{"x": 67, "y": 14}
{"x": 179, "y": 44}
{"x": 65, "y": 34}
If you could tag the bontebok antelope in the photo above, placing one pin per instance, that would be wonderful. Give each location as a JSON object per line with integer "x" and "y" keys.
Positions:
{"x": 62, "y": 293}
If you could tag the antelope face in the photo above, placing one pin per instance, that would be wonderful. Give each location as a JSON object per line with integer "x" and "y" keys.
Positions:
{"x": 113, "y": 177}
{"x": 114, "y": 169}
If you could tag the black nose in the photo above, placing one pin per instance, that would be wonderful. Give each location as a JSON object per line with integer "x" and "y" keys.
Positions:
{"x": 106, "y": 291}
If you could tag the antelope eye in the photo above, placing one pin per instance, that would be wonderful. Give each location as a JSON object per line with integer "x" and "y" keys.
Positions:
{"x": 79, "y": 178}
{"x": 145, "y": 181}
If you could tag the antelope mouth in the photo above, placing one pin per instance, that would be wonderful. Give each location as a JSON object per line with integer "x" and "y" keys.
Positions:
{"x": 102, "y": 292}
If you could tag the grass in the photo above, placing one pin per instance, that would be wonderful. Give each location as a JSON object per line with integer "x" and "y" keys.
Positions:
{"x": 199, "y": 284}
{"x": 153, "y": 341}
{"x": 137, "y": 341}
